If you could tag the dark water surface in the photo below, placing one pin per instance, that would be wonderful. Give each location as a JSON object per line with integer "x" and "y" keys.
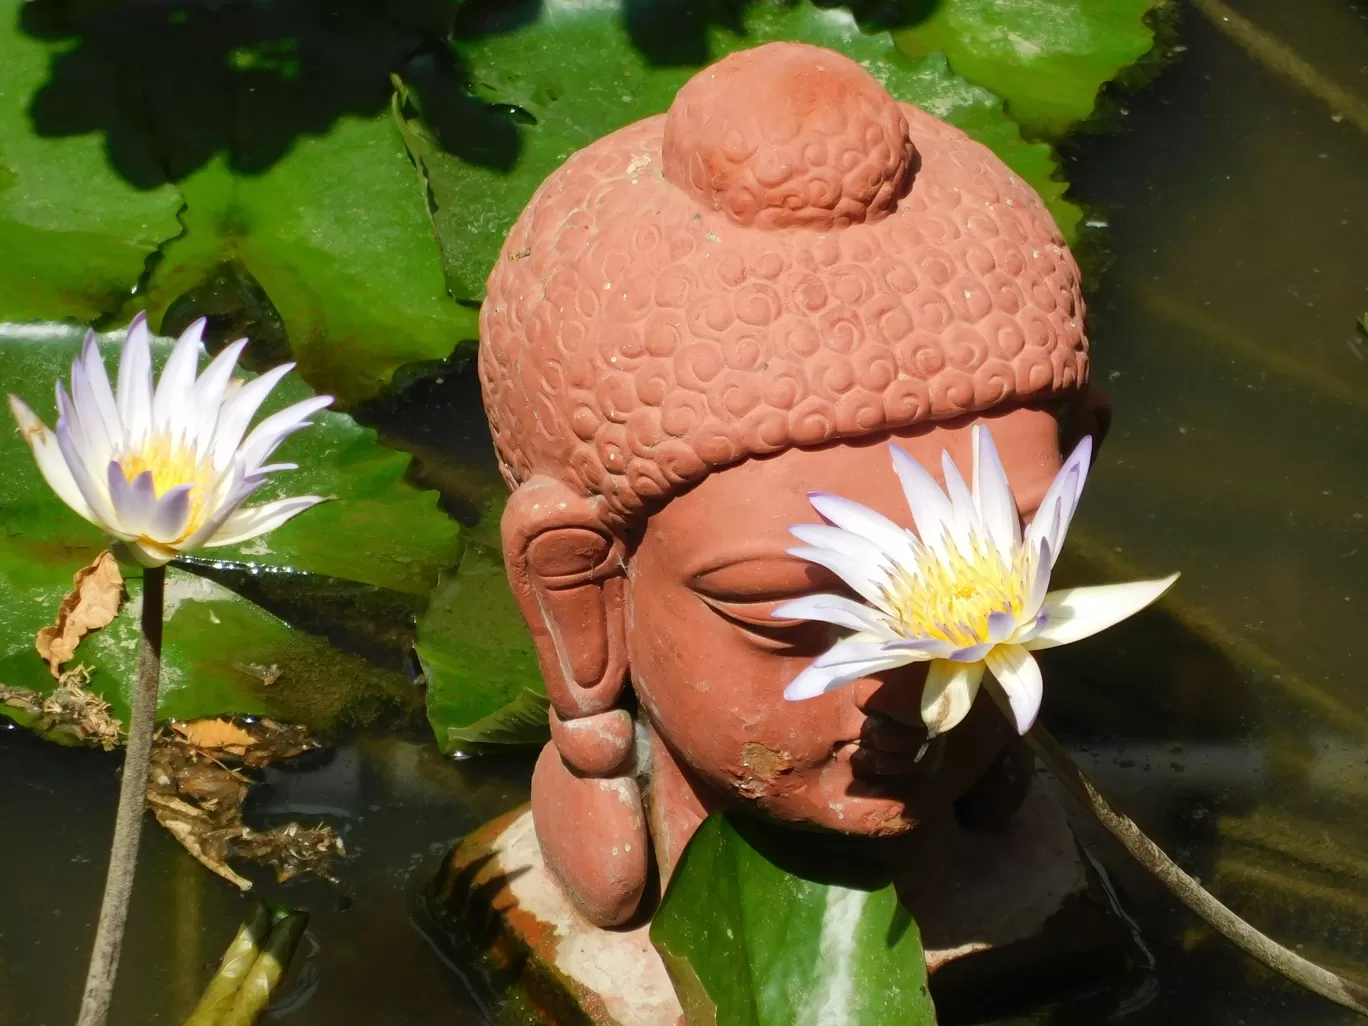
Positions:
{"x": 1233, "y": 723}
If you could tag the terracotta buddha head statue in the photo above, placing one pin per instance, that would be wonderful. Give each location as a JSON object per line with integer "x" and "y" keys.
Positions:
{"x": 695, "y": 322}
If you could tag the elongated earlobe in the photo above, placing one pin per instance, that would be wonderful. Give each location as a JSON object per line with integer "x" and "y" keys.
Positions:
{"x": 568, "y": 575}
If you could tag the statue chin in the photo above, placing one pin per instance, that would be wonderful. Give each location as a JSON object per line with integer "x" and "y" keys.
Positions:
{"x": 697, "y": 321}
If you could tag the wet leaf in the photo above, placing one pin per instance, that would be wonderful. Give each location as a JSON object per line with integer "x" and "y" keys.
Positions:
{"x": 76, "y": 235}
{"x": 519, "y": 724}
{"x": 337, "y": 235}
{"x": 752, "y": 936}
{"x": 1046, "y": 58}
{"x": 483, "y": 682}
{"x": 578, "y": 71}
{"x": 94, "y": 600}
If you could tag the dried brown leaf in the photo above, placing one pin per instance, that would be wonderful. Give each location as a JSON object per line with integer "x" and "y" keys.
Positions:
{"x": 220, "y": 736}
{"x": 94, "y": 600}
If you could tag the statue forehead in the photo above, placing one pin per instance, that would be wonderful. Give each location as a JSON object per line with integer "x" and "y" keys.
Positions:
{"x": 637, "y": 337}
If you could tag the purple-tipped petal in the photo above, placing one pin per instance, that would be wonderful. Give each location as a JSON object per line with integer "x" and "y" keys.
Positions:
{"x": 970, "y": 653}
{"x": 1001, "y": 626}
{"x": 169, "y": 514}
{"x": 82, "y": 473}
{"x": 824, "y": 536}
{"x": 133, "y": 501}
{"x": 1078, "y": 613}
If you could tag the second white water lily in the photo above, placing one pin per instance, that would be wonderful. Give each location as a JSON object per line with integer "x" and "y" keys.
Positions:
{"x": 166, "y": 470}
{"x": 968, "y": 593}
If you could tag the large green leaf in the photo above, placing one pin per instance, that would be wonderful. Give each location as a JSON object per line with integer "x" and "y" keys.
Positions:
{"x": 75, "y": 235}
{"x": 484, "y": 687}
{"x": 221, "y": 648}
{"x": 580, "y": 69}
{"x": 756, "y": 930}
{"x": 337, "y": 235}
{"x": 1046, "y": 58}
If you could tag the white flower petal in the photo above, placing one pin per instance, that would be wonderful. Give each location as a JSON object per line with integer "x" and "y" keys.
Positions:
{"x": 867, "y": 581}
{"x": 244, "y": 524}
{"x": 966, "y": 519}
{"x": 931, "y": 510}
{"x": 210, "y": 389}
{"x": 1077, "y": 613}
{"x": 993, "y": 495}
{"x": 834, "y": 609}
{"x": 824, "y": 536}
{"x": 172, "y": 410}
{"x": 847, "y": 660}
{"x": 971, "y": 653}
{"x": 1019, "y": 676}
{"x": 1040, "y": 583}
{"x": 134, "y": 395}
{"x": 237, "y": 412}
{"x": 948, "y": 694}
{"x": 92, "y": 395}
{"x": 48, "y": 454}
{"x": 259, "y": 445}
{"x": 143, "y": 552}
{"x": 231, "y": 490}
{"x": 895, "y": 541}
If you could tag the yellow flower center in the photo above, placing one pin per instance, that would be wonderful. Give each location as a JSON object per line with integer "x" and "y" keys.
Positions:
{"x": 952, "y": 594}
{"x": 172, "y": 463}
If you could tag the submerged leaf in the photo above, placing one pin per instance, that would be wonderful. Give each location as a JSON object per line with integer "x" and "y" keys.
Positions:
{"x": 94, "y": 600}
{"x": 577, "y": 71}
{"x": 757, "y": 931}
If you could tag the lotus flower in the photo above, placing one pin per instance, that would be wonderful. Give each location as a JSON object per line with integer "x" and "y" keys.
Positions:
{"x": 967, "y": 593}
{"x": 166, "y": 471}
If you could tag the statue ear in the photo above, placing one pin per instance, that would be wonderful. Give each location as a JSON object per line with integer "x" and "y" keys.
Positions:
{"x": 1088, "y": 414}
{"x": 568, "y": 574}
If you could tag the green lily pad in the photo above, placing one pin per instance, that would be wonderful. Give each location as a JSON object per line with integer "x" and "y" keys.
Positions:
{"x": 578, "y": 71}
{"x": 484, "y": 687}
{"x": 752, "y": 936}
{"x": 337, "y": 235}
{"x": 76, "y": 235}
{"x": 221, "y": 648}
{"x": 1046, "y": 58}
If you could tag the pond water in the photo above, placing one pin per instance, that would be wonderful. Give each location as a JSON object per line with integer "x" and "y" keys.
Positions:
{"x": 1232, "y": 724}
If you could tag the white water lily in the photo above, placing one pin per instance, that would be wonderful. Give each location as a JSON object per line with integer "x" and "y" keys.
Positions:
{"x": 967, "y": 593}
{"x": 166, "y": 471}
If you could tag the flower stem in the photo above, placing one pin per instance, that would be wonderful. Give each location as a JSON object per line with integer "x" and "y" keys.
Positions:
{"x": 1187, "y": 890}
{"x": 123, "y": 851}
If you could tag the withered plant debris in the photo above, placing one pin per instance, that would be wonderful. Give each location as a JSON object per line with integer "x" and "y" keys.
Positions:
{"x": 197, "y": 787}
{"x": 96, "y": 594}
{"x": 71, "y": 713}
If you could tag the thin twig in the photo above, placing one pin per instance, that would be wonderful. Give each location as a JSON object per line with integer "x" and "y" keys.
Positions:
{"x": 123, "y": 851}
{"x": 1187, "y": 890}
